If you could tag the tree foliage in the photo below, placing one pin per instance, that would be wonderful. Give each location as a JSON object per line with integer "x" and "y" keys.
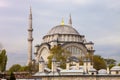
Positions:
{"x": 111, "y": 65}
{"x": 110, "y": 62}
{"x": 99, "y": 62}
{"x": 59, "y": 54}
{"x": 118, "y": 64}
{"x": 12, "y": 76}
{"x": 24, "y": 68}
{"x": 3, "y": 60}
{"x": 31, "y": 68}
{"x": 18, "y": 68}
{"x": 15, "y": 68}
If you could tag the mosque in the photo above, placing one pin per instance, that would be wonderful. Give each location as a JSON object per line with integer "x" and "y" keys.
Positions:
{"x": 66, "y": 36}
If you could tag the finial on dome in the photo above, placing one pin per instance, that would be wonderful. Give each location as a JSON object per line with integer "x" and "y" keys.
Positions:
{"x": 70, "y": 20}
{"x": 62, "y": 23}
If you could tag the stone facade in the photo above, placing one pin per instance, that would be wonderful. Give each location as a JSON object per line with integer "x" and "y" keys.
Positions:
{"x": 68, "y": 38}
{"x": 75, "y": 71}
{"x": 83, "y": 77}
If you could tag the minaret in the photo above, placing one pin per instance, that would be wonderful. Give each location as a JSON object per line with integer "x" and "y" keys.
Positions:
{"x": 70, "y": 20}
{"x": 30, "y": 38}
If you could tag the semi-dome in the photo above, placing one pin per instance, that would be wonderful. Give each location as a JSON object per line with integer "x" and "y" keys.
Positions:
{"x": 115, "y": 68}
{"x": 102, "y": 71}
{"x": 63, "y": 29}
{"x": 92, "y": 70}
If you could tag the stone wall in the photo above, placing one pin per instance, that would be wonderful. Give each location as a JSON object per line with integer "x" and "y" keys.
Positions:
{"x": 97, "y": 77}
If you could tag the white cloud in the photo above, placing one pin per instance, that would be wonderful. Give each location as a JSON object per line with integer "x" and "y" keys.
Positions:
{"x": 82, "y": 2}
{"x": 15, "y": 47}
{"x": 108, "y": 40}
{"x": 1, "y": 46}
{"x": 4, "y": 4}
{"x": 113, "y": 4}
{"x": 68, "y": 2}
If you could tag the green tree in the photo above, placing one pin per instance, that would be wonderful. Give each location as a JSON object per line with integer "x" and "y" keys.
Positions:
{"x": 3, "y": 60}
{"x": 119, "y": 64}
{"x": 110, "y": 62}
{"x": 12, "y": 76}
{"x": 18, "y": 68}
{"x": 24, "y": 68}
{"x": 59, "y": 54}
{"x": 111, "y": 65}
{"x": 15, "y": 68}
{"x": 99, "y": 62}
{"x": 31, "y": 68}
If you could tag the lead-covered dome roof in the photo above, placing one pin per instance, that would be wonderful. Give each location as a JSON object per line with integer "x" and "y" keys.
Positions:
{"x": 115, "y": 68}
{"x": 63, "y": 29}
{"x": 102, "y": 71}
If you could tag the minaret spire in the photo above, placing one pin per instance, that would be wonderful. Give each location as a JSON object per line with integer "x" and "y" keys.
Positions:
{"x": 62, "y": 22}
{"x": 70, "y": 20}
{"x": 30, "y": 38}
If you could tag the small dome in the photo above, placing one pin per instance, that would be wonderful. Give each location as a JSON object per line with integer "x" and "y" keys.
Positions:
{"x": 115, "y": 68}
{"x": 92, "y": 70}
{"x": 73, "y": 58}
{"x": 63, "y": 29}
{"x": 73, "y": 68}
{"x": 102, "y": 71}
{"x": 81, "y": 67}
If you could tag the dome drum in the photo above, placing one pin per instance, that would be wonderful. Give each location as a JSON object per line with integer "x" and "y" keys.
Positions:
{"x": 63, "y": 37}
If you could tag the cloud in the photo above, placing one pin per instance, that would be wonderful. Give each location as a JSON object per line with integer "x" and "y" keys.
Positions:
{"x": 108, "y": 40}
{"x": 3, "y": 4}
{"x": 1, "y": 46}
{"x": 108, "y": 51}
{"x": 14, "y": 47}
{"x": 82, "y": 2}
{"x": 16, "y": 59}
{"x": 67, "y": 1}
{"x": 112, "y": 4}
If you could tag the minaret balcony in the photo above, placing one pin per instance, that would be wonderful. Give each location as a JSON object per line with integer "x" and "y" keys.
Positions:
{"x": 30, "y": 29}
{"x": 30, "y": 39}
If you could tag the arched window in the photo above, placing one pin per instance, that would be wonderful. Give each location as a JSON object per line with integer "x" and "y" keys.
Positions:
{"x": 75, "y": 51}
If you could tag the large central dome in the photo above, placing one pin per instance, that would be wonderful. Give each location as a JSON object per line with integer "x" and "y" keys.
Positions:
{"x": 63, "y": 29}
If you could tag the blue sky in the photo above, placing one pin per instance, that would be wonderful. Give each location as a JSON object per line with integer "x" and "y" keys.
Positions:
{"x": 98, "y": 20}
